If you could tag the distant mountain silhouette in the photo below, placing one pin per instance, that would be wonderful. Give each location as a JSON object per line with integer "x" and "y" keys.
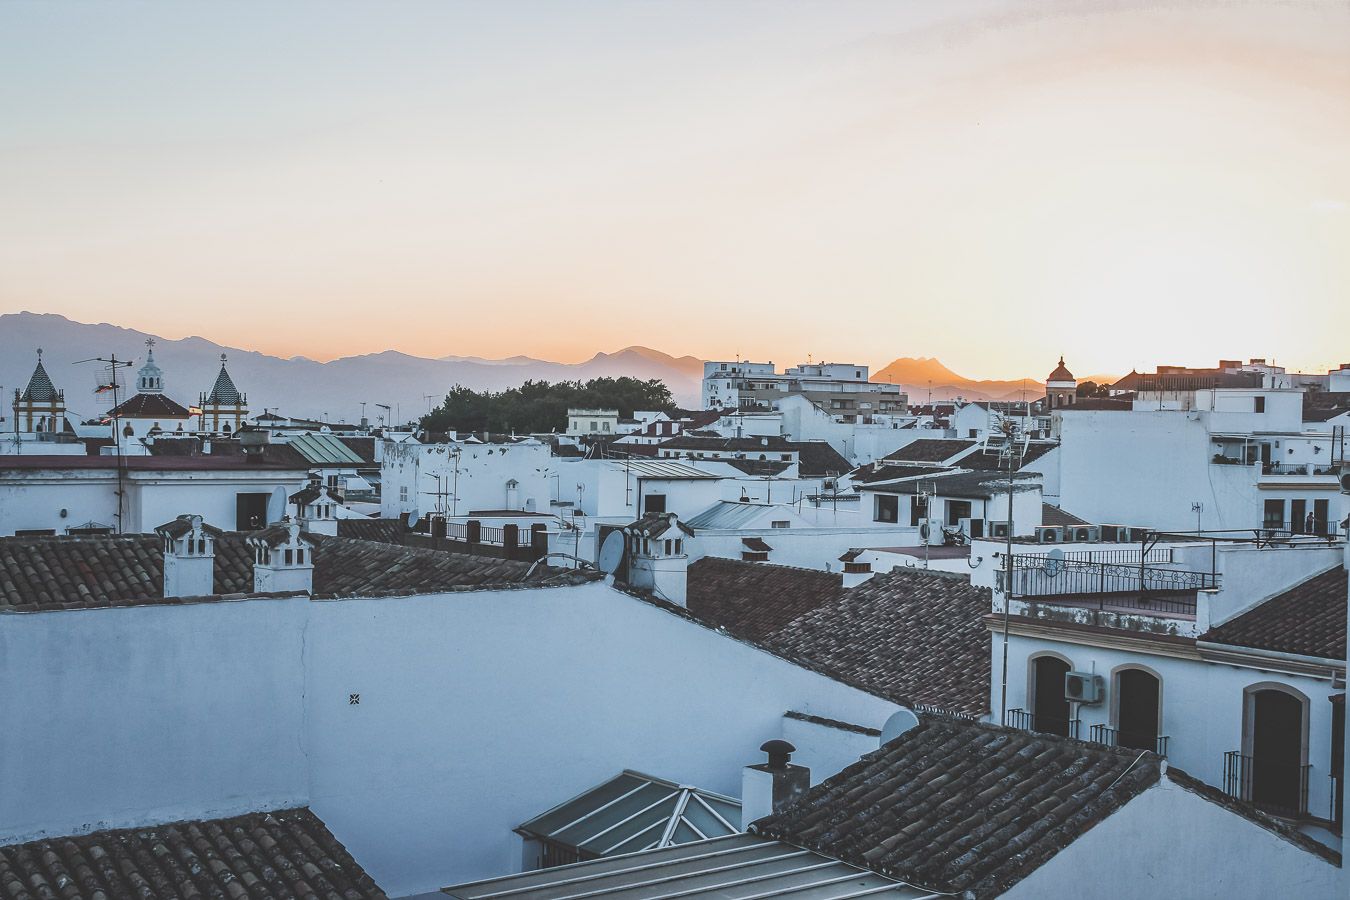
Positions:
{"x": 921, "y": 375}
{"x": 299, "y": 386}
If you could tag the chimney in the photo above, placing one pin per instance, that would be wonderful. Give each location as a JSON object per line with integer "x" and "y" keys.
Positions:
{"x": 189, "y": 557}
{"x": 316, "y": 507}
{"x": 283, "y": 560}
{"x": 769, "y": 786}
{"x": 856, "y": 569}
{"x": 657, "y": 559}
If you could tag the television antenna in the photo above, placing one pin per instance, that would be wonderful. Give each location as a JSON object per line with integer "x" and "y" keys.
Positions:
{"x": 111, "y": 365}
{"x": 1009, "y": 429}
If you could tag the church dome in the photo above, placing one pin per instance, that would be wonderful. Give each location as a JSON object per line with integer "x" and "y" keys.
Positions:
{"x": 1061, "y": 373}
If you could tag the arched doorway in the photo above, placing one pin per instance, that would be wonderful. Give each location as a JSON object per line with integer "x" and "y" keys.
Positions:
{"x": 1138, "y": 700}
{"x": 1050, "y": 708}
{"x": 1276, "y": 728}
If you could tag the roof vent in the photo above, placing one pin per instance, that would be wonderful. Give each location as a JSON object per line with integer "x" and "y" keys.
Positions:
{"x": 780, "y": 753}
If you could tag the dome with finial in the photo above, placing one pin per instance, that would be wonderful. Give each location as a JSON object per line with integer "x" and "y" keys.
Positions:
{"x": 1061, "y": 373}
{"x": 150, "y": 378}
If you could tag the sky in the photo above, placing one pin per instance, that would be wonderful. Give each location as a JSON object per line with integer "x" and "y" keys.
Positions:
{"x": 993, "y": 184}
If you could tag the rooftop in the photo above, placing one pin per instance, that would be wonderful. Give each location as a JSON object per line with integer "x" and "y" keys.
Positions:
{"x": 731, "y": 514}
{"x": 47, "y": 573}
{"x": 751, "y": 601}
{"x": 287, "y": 853}
{"x": 633, "y": 812}
{"x": 960, "y": 806}
{"x": 737, "y": 867}
{"x": 661, "y": 469}
{"x": 933, "y": 450}
{"x": 945, "y": 483}
{"x": 149, "y": 406}
{"x": 915, "y": 636}
{"x": 1308, "y": 619}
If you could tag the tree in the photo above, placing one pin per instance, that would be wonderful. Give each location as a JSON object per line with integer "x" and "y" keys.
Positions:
{"x": 1092, "y": 389}
{"x": 541, "y": 406}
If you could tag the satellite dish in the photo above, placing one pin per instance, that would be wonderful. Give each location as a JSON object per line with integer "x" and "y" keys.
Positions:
{"x": 276, "y": 505}
{"x": 901, "y": 720}
{"x": 1054, "y": 563}
{"x": 923, "y": 529}
{"x": 413, "y": 516}
{"x": 611, "y": 553}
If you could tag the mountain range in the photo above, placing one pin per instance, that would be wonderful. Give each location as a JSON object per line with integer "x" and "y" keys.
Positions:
{"x": 336, "y": 390}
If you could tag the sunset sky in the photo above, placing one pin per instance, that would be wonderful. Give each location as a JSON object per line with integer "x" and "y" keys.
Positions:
{"x": 1127, "y": 183}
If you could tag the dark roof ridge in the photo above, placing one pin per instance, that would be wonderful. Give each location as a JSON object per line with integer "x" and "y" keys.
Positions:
{"x": 832, "y": 723}
{"x": 762, "y": 565}
{"x": 1279, "y": 827}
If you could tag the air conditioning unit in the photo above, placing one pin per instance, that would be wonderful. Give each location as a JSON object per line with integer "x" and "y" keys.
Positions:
{"x": 1114, "y": 533}
{"x": 935, "y": 537}
{"x": 1084, "y": 534}
{"x": 998, "y": 529}
{"x": 1049, "y": 534}
{"x": 1084, "y": 687}
{"x": 1137, "y": 535}
{"x": 974, "y": 527}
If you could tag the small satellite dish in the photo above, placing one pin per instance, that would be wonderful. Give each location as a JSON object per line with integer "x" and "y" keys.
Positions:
{"x": 611, "y": 553}
{"x": 901, "y": 720}
{"x": 276, "y": 505}
{"x": 413, "y": 516}
{"x": 1054, "y": 563}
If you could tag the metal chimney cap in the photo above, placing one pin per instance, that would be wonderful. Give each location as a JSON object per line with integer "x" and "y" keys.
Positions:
{"x": 779, "y": 753}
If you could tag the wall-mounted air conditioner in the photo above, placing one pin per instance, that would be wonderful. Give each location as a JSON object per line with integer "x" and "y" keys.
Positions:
{"x": 1084, "y": 687}
{"x": 1049, "y": 534}
{"x": 998, "y": 529}
{"x": 1114, "y": 533}
{"x": 1083, "y": 534}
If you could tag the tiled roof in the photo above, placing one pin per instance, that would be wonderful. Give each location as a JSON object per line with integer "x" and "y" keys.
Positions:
{"x": 757, "y": 466}
{"x": 41, "y": 573}
{"x": 149, "y": 406}
{"x": 816, "y": 458}
{"x": 388, "y": 531}
{"x": 40, "y": 388}
{"x": 974, "y": 485}
{"x": 984, "y": 460}
{"x": 751, "y": 601}
{"x": 655, "y": 524}
{"x": 313, "y": 492}
{"x": 758, "y": 444}
{"x": 1198, "y": 379}
{"x": 1097, "y": 404}
{"x": 364, "y": 447}
{"x": 1323, "y": 405}
{"x": 889, "y": 472}
{"x": 1308, "y": 619}
{"x": 1053, "y": 515}
{"x": 757, "y": 544}
{"x": 223, "y": 392}
{"x": 933, "y": 450}
{"x": 960, "y": 806}
{"x": 1061, "y": 373}
{"x": 284, "y": 854}
{"x": 914, "y": 636}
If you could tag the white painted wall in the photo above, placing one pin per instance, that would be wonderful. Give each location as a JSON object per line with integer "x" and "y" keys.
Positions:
{"x": 1170, "y": 842}
{"x": 478, "y": 710}
{"x": 829, "y": 749}
{"x": 1202, "y": 703}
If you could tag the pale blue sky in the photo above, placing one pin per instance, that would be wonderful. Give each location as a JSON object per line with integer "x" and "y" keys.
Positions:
{"x": 990, "y": 183}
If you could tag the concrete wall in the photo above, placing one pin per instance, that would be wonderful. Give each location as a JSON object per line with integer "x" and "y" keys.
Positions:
{"x": 829, "y": 749}
{"x": 1169, "y": 842}
{"x": 477, "y": 710}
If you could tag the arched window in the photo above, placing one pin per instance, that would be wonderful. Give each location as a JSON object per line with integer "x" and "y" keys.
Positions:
{"x": 1273, "y": 769}
{"x": 1138, "y": 707}
{"x": 1049, "y": 706}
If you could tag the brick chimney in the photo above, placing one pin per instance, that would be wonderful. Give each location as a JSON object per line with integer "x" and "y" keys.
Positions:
{"x": 189, "y": 557}
{"x": 283, "y": 559}
{"x": 769, "y": 786}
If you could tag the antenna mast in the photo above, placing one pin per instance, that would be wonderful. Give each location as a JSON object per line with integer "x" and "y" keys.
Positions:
{"x": 111, "y": 364}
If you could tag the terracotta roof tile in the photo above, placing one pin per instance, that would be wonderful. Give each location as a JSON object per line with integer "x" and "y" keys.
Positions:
{"x": 914, "y": 636}
{"x": 1308, "y": 619}
{"x": 930, "y": 450}
{"x": 283, "y": 854}
{"x": 753, "y": 600}
{"x": 960, "y": 806}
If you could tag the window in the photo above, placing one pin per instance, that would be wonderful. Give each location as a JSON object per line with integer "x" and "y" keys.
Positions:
{"x": 918, "y": 509}
{"x": 1138, "y": 700}
{"x": 654, "y": 503}
{"x": 403, "y": 494}
{"x": 667, "y": 546}
{"x": 1259, "y": 404}
{"x": 887, "y": 508}
{"x": 973, "y": 433}
{"x": 1050, "y": 708}
{"x": 679, "y": 546}
{"x": 606, "y": 426}
{"x": 780, "y": 524}
{"x": 957, "y": 510}
{"x": 786, "y": 457}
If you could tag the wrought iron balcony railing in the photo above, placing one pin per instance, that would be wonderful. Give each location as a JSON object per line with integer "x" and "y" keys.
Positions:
{"x": 1278, "y": 788}
{"x": 1115, "y": 737}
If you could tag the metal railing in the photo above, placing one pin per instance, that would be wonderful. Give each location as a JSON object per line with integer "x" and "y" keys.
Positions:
{"x": 1027, "y": 721}
{"x": 1272, "y": 528}
{"x": 1277, "y": 788}
{"x": 1134, "y": 557}
{"x": 1114, "y": 737}
{"x": 1134, "y": 585}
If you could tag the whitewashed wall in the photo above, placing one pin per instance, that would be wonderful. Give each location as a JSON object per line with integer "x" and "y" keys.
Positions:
{"x": 477, "y": 710}
{"x": 1170, "y": 842}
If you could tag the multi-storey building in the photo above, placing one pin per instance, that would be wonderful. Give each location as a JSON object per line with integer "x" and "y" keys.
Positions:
{"x": 842, "y": 388}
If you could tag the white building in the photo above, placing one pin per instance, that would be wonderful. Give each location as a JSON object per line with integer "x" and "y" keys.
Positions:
{"x": 842, "y": 388}
{"x": 585, "y": 422}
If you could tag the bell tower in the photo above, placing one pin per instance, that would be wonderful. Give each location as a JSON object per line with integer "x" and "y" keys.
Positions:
{"x": 40, "y": 408}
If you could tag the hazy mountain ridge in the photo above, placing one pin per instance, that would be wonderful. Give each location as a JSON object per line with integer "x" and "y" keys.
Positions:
{"x": 298, "y": 386}
{"x": 924, "y": 376}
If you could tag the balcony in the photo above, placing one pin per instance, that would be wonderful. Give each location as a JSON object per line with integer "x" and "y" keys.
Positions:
{"x": 1107, "y": 585}
{"x": 1027, "y": 721}
{"x": 1280, "y": 789}
{"x": 1114, "y": 737}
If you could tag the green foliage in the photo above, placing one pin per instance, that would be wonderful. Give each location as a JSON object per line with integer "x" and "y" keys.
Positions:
{"x": 540, "y": 407}
{"x": 1092, "y": 389}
